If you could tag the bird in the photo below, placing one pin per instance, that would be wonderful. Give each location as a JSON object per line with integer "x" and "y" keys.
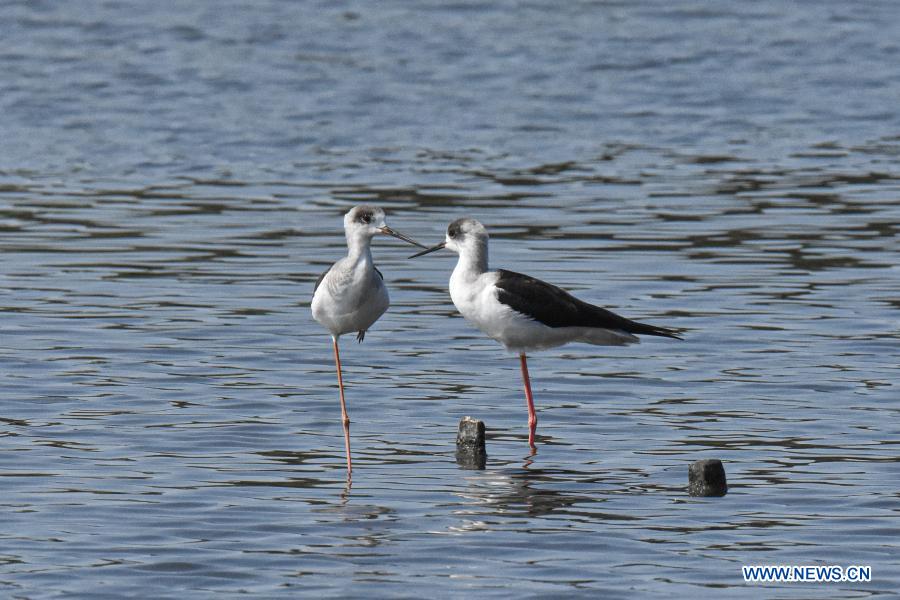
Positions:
{"x": 351, "y": 295}
{"x": 526, "y": 314}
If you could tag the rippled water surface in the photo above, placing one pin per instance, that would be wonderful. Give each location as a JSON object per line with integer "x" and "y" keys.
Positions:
{"x": 173, "y": 179}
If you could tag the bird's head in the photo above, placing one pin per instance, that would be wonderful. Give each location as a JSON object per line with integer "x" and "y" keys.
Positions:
{"x": 466, "y": 237}
{"x": 366, "y": 221}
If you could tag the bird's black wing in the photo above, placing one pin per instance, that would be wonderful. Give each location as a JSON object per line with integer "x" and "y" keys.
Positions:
{"x": 379, "y": 272}
{"x": 555, "y": 307}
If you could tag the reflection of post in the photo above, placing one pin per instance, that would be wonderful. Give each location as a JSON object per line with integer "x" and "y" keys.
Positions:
{"x": 470, "y": 450}
{"x": 506, "y": 491}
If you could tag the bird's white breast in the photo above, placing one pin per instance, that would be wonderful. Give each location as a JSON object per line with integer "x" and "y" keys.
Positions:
{"x": 351, "y": 297}
{"x": 475, "y": 297}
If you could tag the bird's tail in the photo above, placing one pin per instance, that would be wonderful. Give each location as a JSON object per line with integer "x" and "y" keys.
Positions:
{"x": 645, "y": 329}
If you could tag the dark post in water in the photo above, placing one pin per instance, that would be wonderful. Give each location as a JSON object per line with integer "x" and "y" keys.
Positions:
{"x": 707, "y": 478}
{"x": 470, "y": 449}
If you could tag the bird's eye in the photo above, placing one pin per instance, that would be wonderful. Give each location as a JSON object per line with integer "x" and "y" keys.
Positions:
{"x": 366, "y": 219}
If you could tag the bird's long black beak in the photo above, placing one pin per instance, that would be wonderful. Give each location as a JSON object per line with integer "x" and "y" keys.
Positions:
{"x": 429, "y": 250}
{"x": 400, "y": 236}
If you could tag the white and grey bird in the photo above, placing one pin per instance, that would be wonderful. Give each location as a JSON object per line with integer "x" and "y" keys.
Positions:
{"x": 523, "y": 313}
{"x": 351, "y": 295}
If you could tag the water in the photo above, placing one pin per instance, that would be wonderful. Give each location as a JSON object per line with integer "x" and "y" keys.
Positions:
{"x": 172, "y": 180}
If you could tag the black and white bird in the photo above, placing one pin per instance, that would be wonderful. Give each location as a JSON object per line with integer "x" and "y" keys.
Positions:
{"x": 526, "y": 314}
{"x": 351, "y": 295}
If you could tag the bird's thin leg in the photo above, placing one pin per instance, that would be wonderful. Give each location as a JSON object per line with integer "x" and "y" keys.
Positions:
{"x": 345, "y": 418}
{"x": 532, "y": 417}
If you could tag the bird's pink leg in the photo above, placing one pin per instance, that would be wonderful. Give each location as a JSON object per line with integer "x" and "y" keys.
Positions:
{"x": 345, "y": 418}
{"x": 532, "y": 416}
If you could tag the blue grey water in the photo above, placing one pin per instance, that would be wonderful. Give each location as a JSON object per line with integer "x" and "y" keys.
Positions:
{"x": 172, "y": 180}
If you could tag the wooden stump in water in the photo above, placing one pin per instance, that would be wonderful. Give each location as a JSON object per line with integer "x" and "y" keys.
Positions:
{"x": 707, "y": 478}
{"x": 470, "y": 448}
